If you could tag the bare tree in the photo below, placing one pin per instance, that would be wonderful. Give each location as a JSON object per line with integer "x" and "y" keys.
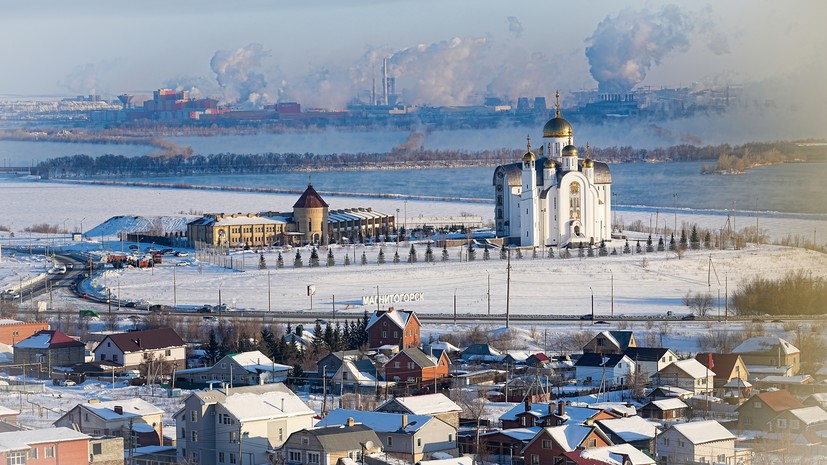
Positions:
{"x": 699, "y": 302}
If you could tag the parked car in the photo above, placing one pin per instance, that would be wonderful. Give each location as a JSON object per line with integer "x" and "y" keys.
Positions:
{"x": 587, "y": 316}
{"x": 688, "y": 317}
{"x": 205, "y": 309}
{"x": 181, "y": 253}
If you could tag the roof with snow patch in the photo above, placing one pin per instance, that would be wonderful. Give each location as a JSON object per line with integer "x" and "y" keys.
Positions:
{"x": 669, "y": 404}
{"x": 48, "y": 339}
{"x": 765, "y": 345}
{"x": 810, "y": 415}
{"x": 133, "y": 407}
{"x": 22, "y": 440}
{"x": 256, "y": 362}
{"x": 702, "y": 432}
{"x": 398, "y": 317}
{"x": 630, "y": 429}
{"x": 691, "y": 367}
{"x": 251, "y": 403}
{"x": 614, "y": 455}
{"x": 380, "y": 422}
{"x": 428, "y": 404}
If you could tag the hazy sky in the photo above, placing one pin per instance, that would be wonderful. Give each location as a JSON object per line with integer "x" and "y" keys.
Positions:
{"x": 441, "y": 51}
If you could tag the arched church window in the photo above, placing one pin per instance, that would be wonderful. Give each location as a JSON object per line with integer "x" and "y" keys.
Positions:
{"x": 574, "y": 201}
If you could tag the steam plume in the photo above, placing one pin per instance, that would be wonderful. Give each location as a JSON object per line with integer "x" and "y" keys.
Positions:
{"x": 515, "y": 27}
{"x": 239, "y": 75}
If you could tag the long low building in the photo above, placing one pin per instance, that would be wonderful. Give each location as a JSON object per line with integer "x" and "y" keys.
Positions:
{"x": 310, "y": 222}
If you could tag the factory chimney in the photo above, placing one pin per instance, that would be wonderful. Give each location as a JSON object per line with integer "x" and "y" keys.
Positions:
{"x": 385, "y": 82}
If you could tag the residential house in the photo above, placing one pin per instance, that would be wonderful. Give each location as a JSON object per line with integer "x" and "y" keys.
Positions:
{"x": 359, "y": 375}
{"x": 44, "y": 447}
{"x": 437, "y": 405}
{"x": 688, "y": 374}
{"x": 727, "y": 367}
{"x": 759, "y": 410}
{"x": 650, "y": 360}
{"x": 609, "y": 370}
{"x": 242, "y": 369}
{"x": 220, "y": 426}
{"x": 301, "y": 338}
{"x": 806, "y": 425}
{"x": 414, "y": 367}
{"x": 538, "y": 360}
{"x": 51, "y": 349}
{"x": 481, "y": 353}
{"x": 327, "y": 444}
{"x": 330, "y": 364}
{"x": 528, "y": 414}
{"x": 500, "y": 446}
{"x": 550, "y": 443}
{"x": 698, "y": 442}
{"x": 399, "y": 328}
{"x": 610, "y": 342}
{"x": 408, "y": 437}
{"x": 666, "y": 391}
{"x": 8, "y": 419}
{"x": 798, "y": 385}
{"x": 618, "y": 454}
{"x": 665, "y": 409}
{"x": 12, "y": 331}
{"x": 152, "y": 455}
{"x": 107, "y": 450}
{"x": 818, "y": 399}
{"x": 118, "y": 418}
{"x": 134, "y": 348}
{"x": 768, "y": 355}
{"x": 633, "y": 430}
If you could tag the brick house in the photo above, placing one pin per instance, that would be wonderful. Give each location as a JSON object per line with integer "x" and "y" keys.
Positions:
{"x": 393, "y": 327}
{"x": 412, "y": 366}
{"x": 12, "y": 331}
{"x": 51, "y": 348}
{"x": 130, "y": 349}
{"x": 759, "y": 410}
{"x": 44, "y": 447}
{"x": 115, "y": 417}
{"x": 549, "y": 445}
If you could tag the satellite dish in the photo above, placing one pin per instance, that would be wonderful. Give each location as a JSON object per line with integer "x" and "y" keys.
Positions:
{"x": 368, "y": 444}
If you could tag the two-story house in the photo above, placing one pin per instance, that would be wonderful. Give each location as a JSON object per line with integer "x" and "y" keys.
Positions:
{"x": 412, "y": 366}
{"x": 119, "y": 418}
{"x": 806, "y": 425}
{"x": 217, "y": 427}
{"x": 409, "y": 437}
{"x": 393, "y": 327}
{"x": 688, "y": 374}
{"x": 769, "y": 356}
{"x": 51, "y": 349}
{"x": 549, "y": 445}
{"x": 135, "y": 348}
{"x": 327, "y": 444}
{"x": 528, "y": 414}
{"x": 437, "y": 405}
{"x": 607, "y": 369}
{"x": 759, "y": 410}
{"x": 610, "y": 342}
{"x": 698, "y": 442}
{"x": 650, "y": 360}
{"x": 45, "y": 447}
{"x": 242, "y": 369}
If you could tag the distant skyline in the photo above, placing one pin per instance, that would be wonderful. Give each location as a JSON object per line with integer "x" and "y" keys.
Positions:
{"x": 324, "y": 53}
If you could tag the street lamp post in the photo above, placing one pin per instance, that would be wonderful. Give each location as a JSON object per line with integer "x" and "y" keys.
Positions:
{"x": 675, "y": 196}
{"x": 405, "y": 220}
{"x": 397, "y": 226}
{"x": 81, "y": 228}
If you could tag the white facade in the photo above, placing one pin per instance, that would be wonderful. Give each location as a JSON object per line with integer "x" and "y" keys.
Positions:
{"x": 107, "y": 350}
{"x": 699, "y": 442}
{"x": 553, "y": 200}
{"x": 614, "y": 374}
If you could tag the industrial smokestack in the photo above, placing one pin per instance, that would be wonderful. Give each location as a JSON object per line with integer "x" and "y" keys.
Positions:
{"x": 385, "y": 82}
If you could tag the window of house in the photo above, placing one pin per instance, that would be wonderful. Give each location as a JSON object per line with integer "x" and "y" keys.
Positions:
{"x": 32, "y": 455}
{"x": 193, "y": 416}
{"x": 281, "y": 434}
{"x": 294, "y": 456}
{"x": 194, "y": 435}
{"x": 757, "y": 404}
{"x": 747, "y": 420}
{"x": 411, "y": 379}
{"x": 450, "y": 438}
{"x": 396, "y": 364}
{"x": 681, "y": 443}
{"x": 419, "y": 442}
{"x": 795, "y": 424}
{"x": 390, "y": 441}
{"x": 49, "y": 452}
{"x": 782, "y": 423}
{"x": 665, "y": 441}
{"x": 535, "y": 459}
{"x": 313, "y": 458}
{"x": 232, "y": 458}
{"x": 592, "y": 442}
{"x": 16, "y": 458}
{"x": 396, "y": 334}
{"x": 305, "y": 441}
{"x": 410, "y": 365}
{"x": 233, "y": 436}
{"x": 546, "y": 443}
{"x": 114, "y": 357}
{"x": 168, "y": 352}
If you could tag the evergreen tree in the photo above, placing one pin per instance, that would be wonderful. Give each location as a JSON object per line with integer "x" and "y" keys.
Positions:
{"x": 396, "y": 257}
{"x": 429, "y": 254}
{"x": 486, "y": 254}
{"x": 314, "y": 258}
{"x": 445, "y": 252}
{"x": 694, "y": 240}
{"x": 683, "y": 239}
{"x": 604, "y": 251}
{"x": 212, "y": 350}
{"x": 296, "y": 375}
{"x": 503, "y": 252}
{"x": 672, "y": 243}
{"x": 380, "y": 259}
{"x": 345, "y": 341}
{"x": 262, "y": 265}
{"x": 614, "y": 251}
{"x": 336, "y": 343}
{"x": 282, "y": 351}
{"x": 347, "y": 259}
{"x": 331, "y": 260}
{"x": 317, "y": 343}
{"x": 267, "y": 343}
{"x": 649, "y": 246}
{"x": 297, "y": 262}
{"x": 364, "y": 258}
{"x": 519, "y": 254}
{"x": 707, "y": 240}
{"x": 626, "y": 248}
{"x": 661, "y": 245}
{"x": 412, "y": 255}
{"x": 472, "y": 254}
{"x": 638, "y": 248}
{"x": 590, "y": 251}
{"x": 328, "y": 337}
{"x": 550, "y": 252}
{"x": 279, "y": 261}
{"x": 363, "y": 328}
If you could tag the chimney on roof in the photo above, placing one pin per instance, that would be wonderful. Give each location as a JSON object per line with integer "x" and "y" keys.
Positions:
{"x": 119, "y": 409}
{"x": 527, "y": 404}
{"x": 561, "y": 408}
{"x": 349, "y": 421}
{"x": 404, "y": 420}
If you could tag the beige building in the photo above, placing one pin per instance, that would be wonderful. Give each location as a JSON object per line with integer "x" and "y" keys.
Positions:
{"x": 310, "y": 222}
{"x": 115, "y": 418}
{"x": 136, "y": 348}
{"x": 326, "y": 445}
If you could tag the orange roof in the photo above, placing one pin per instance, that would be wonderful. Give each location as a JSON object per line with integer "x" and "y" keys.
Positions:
{"x": 780, "y": 400}
{"x": 310, "y": 199}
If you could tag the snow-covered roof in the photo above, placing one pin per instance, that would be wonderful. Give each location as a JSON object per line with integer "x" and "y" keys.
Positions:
{"x": 21, "y": 440}
{"x": 519, "y": 434}
{"x": 133, "y": 407}
{"x": 617, "y": 407}
{"x": 691, "y": 367}
{"x": 518, "y": 355}
{"x": 378, "y": 421}
{"x": 142, "y": 428}
{"x": 537, "y": 410}
{"x": 428, "y": 404}
{"x": 446, "y": 346}
{"x": 398, "y": 317}
{"x": 5, "y": 411}
{"x": 464, "y": 460}
{"x": 738, "y": 383}
{"x": 810, "y": 415}
{"x": 569, "y": 436}
{"x": 777, "y": 379}
{"x": 760, "y": 345}
{"x": 672, "y": 391}
{"x": 702, "y": 432}
{"x": 48, "y": 339}
{"x": 256, "y": 362}
{"x": 248, "y": 404}
{"x": 614, "y": 455}
{"x": 245, "y": 220}
{"x": 630, "y": 428}
{"x": 669, "y": 404}
{"x": 139, "y": 224}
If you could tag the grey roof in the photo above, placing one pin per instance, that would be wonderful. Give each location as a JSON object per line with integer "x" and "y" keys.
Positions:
{"x": 339, "y": 438}
{"x": 599, "y": 360}
{"x": 418, "y": 357}
{"x": 645, "y": 354}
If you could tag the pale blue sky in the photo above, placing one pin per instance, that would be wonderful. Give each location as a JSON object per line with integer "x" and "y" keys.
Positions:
{"x": 319, "y": 49}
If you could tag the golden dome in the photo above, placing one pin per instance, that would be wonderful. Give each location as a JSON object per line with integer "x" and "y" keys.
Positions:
{"x": 557, "y": 126}
{"x": 549, "y": 163}
{"x": 569, "y": 151}
{"x": 529, "y": 155}
{"x": 589, "y": 163}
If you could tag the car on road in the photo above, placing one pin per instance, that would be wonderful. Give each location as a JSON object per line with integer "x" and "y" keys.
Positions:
{"x": 204, "y": 309}
{"x": 688, "y": 317}
{"x": 134, "y": 247}
{"x": 586, "y": 317}
{"x": 601, "y": 322}
{"x": 181, "y": 253}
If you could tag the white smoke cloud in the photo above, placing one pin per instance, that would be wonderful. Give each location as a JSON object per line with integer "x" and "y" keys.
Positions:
{"x": 83, "y": 80}
{"x": 624, "y": 47}
{"x": 240, "y": 76}
{"x": 515, "y": 27}
{"x": 197, "y": 86}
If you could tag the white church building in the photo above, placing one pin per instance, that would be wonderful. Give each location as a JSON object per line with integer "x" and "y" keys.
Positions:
{"x": 558, "y": 199}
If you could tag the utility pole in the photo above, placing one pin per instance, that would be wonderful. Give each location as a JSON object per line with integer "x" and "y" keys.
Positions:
{"x": 174, "y": 293}
{"x": 489, "y": 293}
{"x": 240, "y": 455}
{"x": 592, "y": 292}
{"x": 613, "y": 294}
{"x": 508, "y": 294}
{"x": 269, "y": 301}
